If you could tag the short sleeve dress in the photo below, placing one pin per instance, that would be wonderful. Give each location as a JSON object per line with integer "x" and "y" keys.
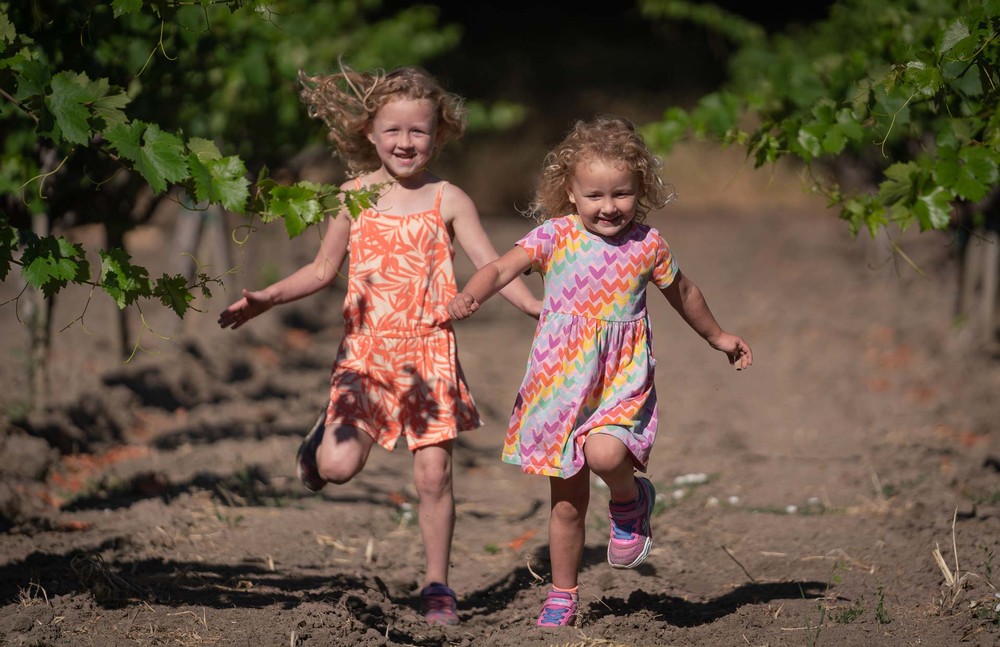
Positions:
{"x": 591, "y": 365}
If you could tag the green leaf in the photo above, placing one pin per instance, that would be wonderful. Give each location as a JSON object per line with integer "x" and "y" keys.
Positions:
{"x": 970, "y": 173}
{"x": 716, "y": 113}
{"x": 126, "y": 139}
{"x": 220, "y": 181}
{"x": 122, "y": 7}
{"x": 50, "y": 263}
{"x": 834, "y": 140}
{"x": 67, "y": 103}
{"x": 864, "y": 212}
{"x": 8, "y": 243}
{"x": 204, "y": 149}
{"x": 125, "y": 283}
{"x": 899, "y": 185}
{"x": 357, "y": 200}
{"x": 108, "y": 105}
{"x": 933, "y": 210}
{"x": 810, "y": 138}
{"x": 162, "y": 158}
{"x": 298, "y": 205}
{"x": 664, "y": 134}
{"x": 173, "y": 292}
{"x": 157, "y": 155}
{"x": 955, "y": 32}
{"x": 926, "y": 79}
{"x": 848, "y": 124}
{"x": 34, "y": 77}
{"x": 7, "y": 32}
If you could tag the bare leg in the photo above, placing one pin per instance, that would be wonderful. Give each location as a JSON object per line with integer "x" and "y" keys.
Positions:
{"x": 567, "y": 529}
{"x": 611, "y": 460}
{"x": 343, "y": 453}
{"x": 432, "y": 475}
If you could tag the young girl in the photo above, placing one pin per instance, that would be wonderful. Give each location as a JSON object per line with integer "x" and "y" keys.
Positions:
{"x": 587, "y": 403}
{"x": 396, "y": 372}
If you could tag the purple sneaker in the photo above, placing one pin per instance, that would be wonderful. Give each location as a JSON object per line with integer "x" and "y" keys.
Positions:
{"x": 305, "y": 459}
{"x": 631, "y": 535}
{"x": 559, "y": 609}
{"x": 438, "y": 604}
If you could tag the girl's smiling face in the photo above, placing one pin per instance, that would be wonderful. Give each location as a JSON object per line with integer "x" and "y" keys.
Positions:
{"x": 605, "y": 195}
{"x": 404, "y": 135}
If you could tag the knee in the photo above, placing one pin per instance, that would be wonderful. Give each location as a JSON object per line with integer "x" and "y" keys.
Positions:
{"x": 605, "y": 455}
{"x": 569, "y": 512}
{"x": 432, "y": 480}
{"x": 603, "y": 464}
{"x": 336, "y": 471}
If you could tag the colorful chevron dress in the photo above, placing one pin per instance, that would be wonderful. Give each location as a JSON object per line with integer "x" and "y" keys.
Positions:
{"x": 591, "y": 364}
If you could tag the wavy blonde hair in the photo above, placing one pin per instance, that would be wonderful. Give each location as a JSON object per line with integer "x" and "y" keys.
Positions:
{"x": 347, "y": 102}
{"x": 607, "y": 138}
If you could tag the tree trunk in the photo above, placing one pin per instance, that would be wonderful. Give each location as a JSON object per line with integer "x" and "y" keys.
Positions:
{"x": 39, "y": 323}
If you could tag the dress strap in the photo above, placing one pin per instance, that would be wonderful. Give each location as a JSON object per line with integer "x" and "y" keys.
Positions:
{"x": 437, "y": 200}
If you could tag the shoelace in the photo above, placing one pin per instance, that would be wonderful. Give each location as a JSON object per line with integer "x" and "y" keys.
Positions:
{"x": 554, "y": 614}
{"x": 438, "y": 603}
{"x": 625, "y": 528}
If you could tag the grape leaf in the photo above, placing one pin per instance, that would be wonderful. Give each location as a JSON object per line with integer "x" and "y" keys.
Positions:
{"x": 933, "y": 209}
{"x": 108, "y": 105}
{"x": 8, "y": 243}
{"x": 50, "y": 263}
{"x": 7, "y": 32}
{"x": 122, "y": 7}
{"x": 970, "y": 172}
{"x": 34, "y": 77}
{"x": 67, "y": 103}
{"x": 173, "y": 292}
{"x": 297, "y": 205}
{"x": 123, "y": 282}
{"x": 220, "y": 181}
{"x": 955, "y": 32}
{"x": 810, "y": 138}
{"x": 204, "y": 149}
{"x": 899, "y": 183}
{"x": 157, "y": 155}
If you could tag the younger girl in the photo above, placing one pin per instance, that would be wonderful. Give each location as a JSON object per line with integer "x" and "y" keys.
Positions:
{"x": 396, "y": 372}
{"x": 587, "y": 403}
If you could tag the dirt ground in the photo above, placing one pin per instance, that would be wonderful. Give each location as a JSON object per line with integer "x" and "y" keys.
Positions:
{"x": 155, "y": 502}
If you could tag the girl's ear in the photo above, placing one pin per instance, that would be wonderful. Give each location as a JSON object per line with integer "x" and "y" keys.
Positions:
{"x": 572, "y": 198}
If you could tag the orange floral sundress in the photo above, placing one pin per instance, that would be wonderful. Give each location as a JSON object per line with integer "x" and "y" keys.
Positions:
{"x": 397, "y": 371}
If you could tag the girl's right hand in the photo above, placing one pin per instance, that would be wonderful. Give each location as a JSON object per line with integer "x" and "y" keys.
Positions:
{"x": 251, "y": 305}
{"x": 735, "y": 348}
{"x": 462, "y": 306}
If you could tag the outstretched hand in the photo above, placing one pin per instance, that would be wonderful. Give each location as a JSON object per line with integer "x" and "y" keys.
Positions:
{"x": 251, "y": 305}
{"x": 736, "y": 349}
{"x": 462, "y": 306}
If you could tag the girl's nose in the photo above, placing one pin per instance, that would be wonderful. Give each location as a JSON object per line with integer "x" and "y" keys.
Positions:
{"x": 403, "y": 141}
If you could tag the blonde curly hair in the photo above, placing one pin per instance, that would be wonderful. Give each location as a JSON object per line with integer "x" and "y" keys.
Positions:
{"x": 607, "y": 138}
{"x": 347, "y": 102}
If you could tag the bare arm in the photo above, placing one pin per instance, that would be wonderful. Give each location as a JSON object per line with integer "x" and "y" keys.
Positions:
{"x": 304, "y": 281}
{"x": 487, "y": 281}
{"x": 687, "y": 299}
{"x": 476, "y": 243}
